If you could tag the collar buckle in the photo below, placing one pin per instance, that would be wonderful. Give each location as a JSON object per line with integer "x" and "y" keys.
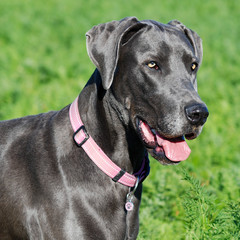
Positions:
{"x": 79, "y": 144}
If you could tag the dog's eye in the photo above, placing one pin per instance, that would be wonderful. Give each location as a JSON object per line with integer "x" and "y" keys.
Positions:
{"x": 194, "y": 66}
{"x": 154, "y": 65}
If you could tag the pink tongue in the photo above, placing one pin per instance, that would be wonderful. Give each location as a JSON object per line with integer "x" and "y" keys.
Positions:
{"x": 174, "y": 150}
{"x": 177, "y": 150}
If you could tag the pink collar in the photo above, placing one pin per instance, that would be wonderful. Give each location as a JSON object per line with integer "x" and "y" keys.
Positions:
{"x": 82, "y": 139}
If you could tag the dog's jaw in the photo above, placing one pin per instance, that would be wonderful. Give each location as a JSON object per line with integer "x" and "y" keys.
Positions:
{"x": 165, "y": 150}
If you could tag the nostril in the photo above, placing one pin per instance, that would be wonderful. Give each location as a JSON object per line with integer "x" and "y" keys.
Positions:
{"x": 196, "y": 114}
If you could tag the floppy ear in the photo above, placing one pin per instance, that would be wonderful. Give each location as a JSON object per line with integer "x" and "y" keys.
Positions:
{"x": 103, "y": 43}
{"x": 193, "y": 37}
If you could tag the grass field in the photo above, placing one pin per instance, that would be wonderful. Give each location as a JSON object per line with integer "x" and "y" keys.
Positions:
{"x": 44, "y": 65}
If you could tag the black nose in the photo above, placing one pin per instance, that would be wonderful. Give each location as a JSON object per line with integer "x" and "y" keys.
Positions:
{"x": 196, "y": 114}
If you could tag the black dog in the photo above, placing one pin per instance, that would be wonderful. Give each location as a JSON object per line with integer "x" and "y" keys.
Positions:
{"x": 142, "y": 96}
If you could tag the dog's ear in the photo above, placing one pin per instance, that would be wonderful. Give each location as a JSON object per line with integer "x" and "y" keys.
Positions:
{"x": 193, "y": 37}
{"x": 103, "y": 43}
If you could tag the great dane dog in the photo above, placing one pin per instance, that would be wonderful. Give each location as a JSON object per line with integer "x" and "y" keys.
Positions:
{"x": 142, "y": 98}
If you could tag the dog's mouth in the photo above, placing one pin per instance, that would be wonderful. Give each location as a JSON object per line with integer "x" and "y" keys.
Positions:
{"x": 165, "y": 150}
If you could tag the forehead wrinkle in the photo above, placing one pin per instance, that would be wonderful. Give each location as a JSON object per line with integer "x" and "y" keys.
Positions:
{"x": 181, "y": 50}
{"x": 174, "y": 37}
{"x": 188, "y": 57}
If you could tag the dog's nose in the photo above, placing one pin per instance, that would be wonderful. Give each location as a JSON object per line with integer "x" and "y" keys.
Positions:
{"x": 196, "y": 114}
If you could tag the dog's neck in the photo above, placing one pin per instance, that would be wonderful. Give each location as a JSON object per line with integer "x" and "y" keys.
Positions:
{"x": 107, "y": 121}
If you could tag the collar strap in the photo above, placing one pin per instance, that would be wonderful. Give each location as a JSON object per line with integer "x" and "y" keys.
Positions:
{"x": 95, "y": 153}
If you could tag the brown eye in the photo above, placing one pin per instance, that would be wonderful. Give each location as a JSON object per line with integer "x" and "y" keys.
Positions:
{"x": 194, "y": 66}
{"x": 153, "y": 65}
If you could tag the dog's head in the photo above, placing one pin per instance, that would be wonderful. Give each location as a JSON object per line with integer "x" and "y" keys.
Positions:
{"x": 151, "y": 70}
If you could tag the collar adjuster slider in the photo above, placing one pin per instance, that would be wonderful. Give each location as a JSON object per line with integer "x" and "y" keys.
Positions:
{"x": 85, "y": 133}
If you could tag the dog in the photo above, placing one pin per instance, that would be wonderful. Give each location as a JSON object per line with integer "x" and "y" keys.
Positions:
{"x": 77, "y": 173}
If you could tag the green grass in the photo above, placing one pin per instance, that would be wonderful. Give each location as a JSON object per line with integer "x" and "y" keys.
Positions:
{"x": 44, "y": 65}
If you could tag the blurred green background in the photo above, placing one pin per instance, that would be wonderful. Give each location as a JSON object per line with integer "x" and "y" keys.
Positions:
{"x": 44, "y": 65}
